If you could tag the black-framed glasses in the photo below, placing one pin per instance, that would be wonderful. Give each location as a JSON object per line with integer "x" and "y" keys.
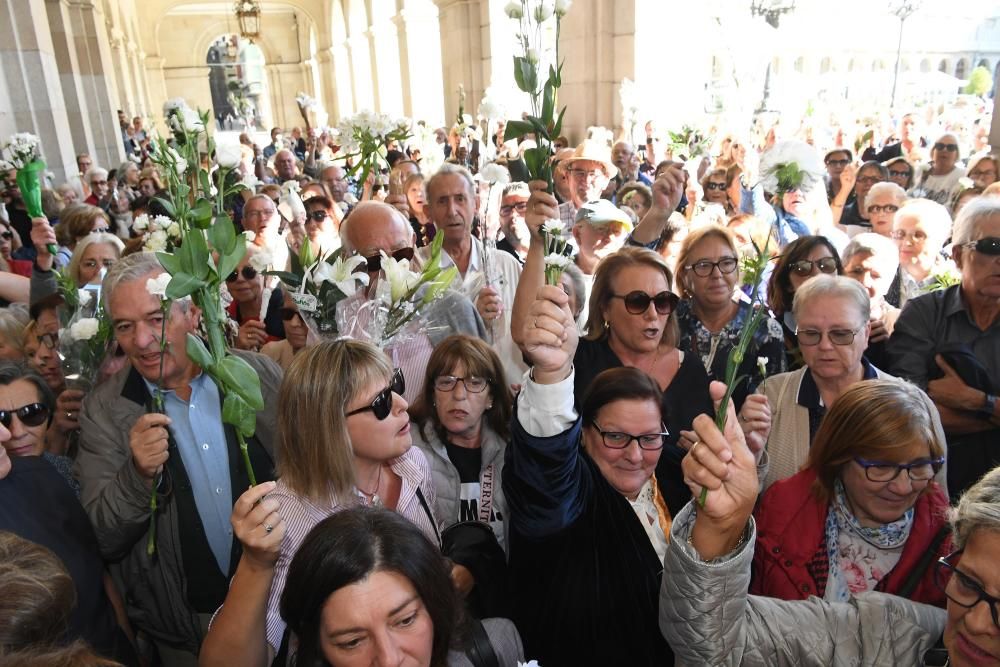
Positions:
{"x": 869, "y": 180}
{"x": 49, "y": 340}
{"x": 381, "y": 406}
{"x": 374, "y": 263}
{"x": 318, "y": 215}
{"x": 248, "y": 273}
{"x": 8, "y": 235}
{"x": 637, "y": 302}
{"x": 804, "y": 267}
{"x": 715, "y": 186}
{"x": 704, "y": 267}
{"x": 945, "y": 147}
{"x": 962, "y": 589}
{"x": 838, "y": 163}
{"x": 33, "y": 414}
{"x": 985, "y": 246}
{"x": 288, "y": 313}
{"x": 921, "y": 470}
{"x": 887, "y": 208}
{"x": 837, "y": 336}
{"x": 902, "y": 173}
{"x": 473, "y": 383}
{"x": 621, "y": 440}
{"x": 509, "y": 209}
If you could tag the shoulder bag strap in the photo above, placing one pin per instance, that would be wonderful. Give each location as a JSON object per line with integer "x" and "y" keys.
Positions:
{"x": 912, "y": 581}
{"x": 430, "y": 515}
{"x": 480, "y": 649}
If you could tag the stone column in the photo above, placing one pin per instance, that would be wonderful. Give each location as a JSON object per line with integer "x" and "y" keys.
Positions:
{"x": 119, "y": 65}
{"x": 32, "y": 97}
{"x": 388, "y": 83}
{"x": 360, "y": 50}
{"x": 462, "y": 53}
{"x": 421, "y": 64}
{"x": 155, "y": 84}
{"x": 335, "y": 78}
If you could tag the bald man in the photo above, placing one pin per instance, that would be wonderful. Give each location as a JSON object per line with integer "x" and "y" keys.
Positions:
{"x": 373, "y": 228}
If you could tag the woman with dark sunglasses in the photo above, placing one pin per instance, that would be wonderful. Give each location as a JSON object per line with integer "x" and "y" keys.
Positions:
{"x": 26, "y": 408}
{"x": 344, "y": 440}
{"x": 709, "y": 619}
{"x": 246, "y": 286}
{"x": 801, "y": 259}
{"x": 297, "y": 334}
{"x": 589, "y": 516}
{"x": 711, "y": 319}
{"x": 631, "y": 322}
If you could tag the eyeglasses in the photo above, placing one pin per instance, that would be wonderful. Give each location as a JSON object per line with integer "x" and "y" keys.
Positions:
{"x": 620, "y": 440}
{"x": 715, "y": 186}
{"x": 966, "y": 591}
{"x": 870, "y": 180}
{"x": 33, "y": 414}
{"x": 520, "y": 207}
{"x": 288, "y": 313}
{"x": 49, "y": 340}
{"x": 101, "y": 230}
{"x": 920, "y": 470}
{"x": 704, "y": 268}
{"x": 837, "y": 163}
{"x": 318, "y": 215}
{"x": 266, "y": 213}
{"x": 900, "y": 235}
{"x": 637, "y": 302}
{"x": 945, "y": 147}
{"x": 985, "y": 172}
{"x": 374, "y": 263}
{"x": 473, "y": 383}
{"x": 382, "y": 405}
{"x": 92, "y": 263}
{"x": 585, "y": 174}
{"x": 7, "y": 235}
{"x": 804, "y": 267}
{"x": 986, "y": 246}
{"x": 888, "y": 208}
{"x": 248, "y": 273}
{"x": 837, "y": 336}
{"x": 894, "y": 173}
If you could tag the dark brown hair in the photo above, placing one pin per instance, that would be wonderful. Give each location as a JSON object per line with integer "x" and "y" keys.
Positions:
{"x": 779, "y": 286}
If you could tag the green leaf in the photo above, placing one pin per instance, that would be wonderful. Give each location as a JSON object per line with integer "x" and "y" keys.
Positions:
{"x": 204, "y": 182}
{"x": 222, "y": 234}
{"x": 238, "y": 376}
{"x": 529, "y": 73}
{"x": 535, "y": 159}
{"x": 201, "y": 214}
{"x": 557, "y": 128}
{"x": 516, "y": 129}
{"x": 170, "y": 262}
{"x": 306, "y": 257}
{"x": 198, "y": 247}
{"x": 538, "y": 127}
{"x": 167, "y": 205}
{"x": 230, "y": 260}
{"x": 290, "y": 279}
{"x": 182, "y": 285}
{"x": 519, "y": 74}
{"x": 548, "y": 104}
{"x": 198, "y": 353}
{"x": 235, "y": 411}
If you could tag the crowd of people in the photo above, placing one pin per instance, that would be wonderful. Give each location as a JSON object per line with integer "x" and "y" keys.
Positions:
{"x": 538, "y": 473}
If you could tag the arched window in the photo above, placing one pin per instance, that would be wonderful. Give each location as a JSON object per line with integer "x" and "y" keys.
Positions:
{"x": 960, "y": 69}
{"x": 944, "y": 66}
{"x": 925, "y": 65}
{"x": 825, "y": 65}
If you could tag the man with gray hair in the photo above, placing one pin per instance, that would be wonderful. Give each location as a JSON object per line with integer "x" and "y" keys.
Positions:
{"x": 97, "y": 179}
{"x": 181, "y": 557}
{"x": 513, "y": 204}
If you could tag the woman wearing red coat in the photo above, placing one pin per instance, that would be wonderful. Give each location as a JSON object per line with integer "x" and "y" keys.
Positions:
{"x": 866, "y": 513}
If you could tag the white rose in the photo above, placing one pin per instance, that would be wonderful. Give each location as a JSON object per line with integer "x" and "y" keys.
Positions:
{"x": 174, "y": 230}
{"x": 495, "y": 174}
{"x": 261, "y": 260}
{"x": 191, "y": 120}
{"x": 532, "y": 56}
{"x": 250, "y": 236}
{"x": 84, "y": 296}
{"x": 514, "y": 10}
{"x": 543, "y": 11}
{"x": 158, "y": 286}
{"x": 141, "y": 223}
{"x": 228, "y": 155}
{"x": 562, "y": 7}
{"x": 156, "y": 241}
{"x": 84, "y": 329}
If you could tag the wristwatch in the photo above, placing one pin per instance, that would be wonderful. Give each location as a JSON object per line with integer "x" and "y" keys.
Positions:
{"x": 989, "y": 406}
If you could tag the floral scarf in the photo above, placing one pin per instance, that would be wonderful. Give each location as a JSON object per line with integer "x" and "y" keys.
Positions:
{"x": 859, "y": 557}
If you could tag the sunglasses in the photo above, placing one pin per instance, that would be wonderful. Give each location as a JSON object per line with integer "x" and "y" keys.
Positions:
{"x": 375, "y": 261}
{"x": 33, "y": 414}
{"x": 637, "y": 302}
{"x": 987, "y": 246}
{"x": 838, "y": 163}
{"x": 7, "y": 235}
{"x": 248, "y": 273}
{"x": 899, "y": 174}
{"x": 945, "y": 147}
{"x": 288, "y": 313}
{"x": 804, "y": 267}
{"x": 715, "y": 186}
{"x": 888, "y": 208}
{"x": 319, "y": 216}
{"x": 382, "y": 405}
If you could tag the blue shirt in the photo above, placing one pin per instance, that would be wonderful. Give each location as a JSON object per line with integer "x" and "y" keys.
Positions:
{"x": 196, "y": 427}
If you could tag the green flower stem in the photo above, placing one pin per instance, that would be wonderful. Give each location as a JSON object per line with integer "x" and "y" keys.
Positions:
{"x": 158, "y": 407}
{"x": 246, "y": 457}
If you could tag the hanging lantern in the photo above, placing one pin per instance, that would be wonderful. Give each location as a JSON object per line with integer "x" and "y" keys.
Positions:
{"x": 248, "y": 15}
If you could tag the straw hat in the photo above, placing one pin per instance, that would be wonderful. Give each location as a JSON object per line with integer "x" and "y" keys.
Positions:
{"x": 593, "y": 152}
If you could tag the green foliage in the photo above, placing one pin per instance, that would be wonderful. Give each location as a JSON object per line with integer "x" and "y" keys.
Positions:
{"x": 980, "y": 82}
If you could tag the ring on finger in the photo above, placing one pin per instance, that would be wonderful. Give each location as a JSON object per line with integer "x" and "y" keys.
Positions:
{"x": 693, "y": 447}
{"x": 268, "y": 528}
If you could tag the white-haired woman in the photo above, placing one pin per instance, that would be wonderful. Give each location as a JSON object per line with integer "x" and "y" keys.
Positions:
{"x": 881, "y": 204}
{"x": 920, "y": 229}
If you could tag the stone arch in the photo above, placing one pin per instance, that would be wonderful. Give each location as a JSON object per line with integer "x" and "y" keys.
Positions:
{"x": 983, "y": 63}
{"x": 944, "y": 65}
{"x": 961, "y": 68}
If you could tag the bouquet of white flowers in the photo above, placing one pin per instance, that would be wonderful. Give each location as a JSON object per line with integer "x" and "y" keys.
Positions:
{"x": 364, "y": 136}
{"x": 159, "y": 233}
{"x": 83, "y": 343}
{"x": 22, "y": 152}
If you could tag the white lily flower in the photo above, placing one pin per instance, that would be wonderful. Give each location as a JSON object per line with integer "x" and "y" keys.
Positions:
{"x": 400, "y": 278}
{"x": 158, "y": 286}
{"x": 556, "y": 259}
{"x": 341, "y": 274}
{"x": 84, "y": 329}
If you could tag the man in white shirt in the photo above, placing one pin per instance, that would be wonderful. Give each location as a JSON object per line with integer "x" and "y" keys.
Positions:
{"x": 939, "y": 179}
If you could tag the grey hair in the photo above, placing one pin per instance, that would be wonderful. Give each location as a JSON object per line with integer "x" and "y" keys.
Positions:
{"x": 930, "y": 213}
{"x": 13, "y": 319}
{"x": 257, "y": 197}
{"x": 973, "y": 213}
{"x": 91, "y": 239}
{"x": 449, "y": 169}
{"x": 872, "y": 244}
{"x": 977, "y": 509}
{"x": 833, "y": 286}
{"x": 95, "y": 172}
{"x": 11, "y": 371}
{"x": 128, "y": 268}
{"x": 885, "y": 187}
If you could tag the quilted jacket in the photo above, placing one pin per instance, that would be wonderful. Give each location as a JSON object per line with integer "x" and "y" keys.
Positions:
{"x": 709, "y": 619}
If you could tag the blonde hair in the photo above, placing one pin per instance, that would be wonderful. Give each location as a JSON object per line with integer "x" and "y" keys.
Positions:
{"x": 602, "y": 292}
{"x": 87, "y": 241}
{"x": 316, "y": 459}
{"x": 872, "y": 419}
{"x": 694, "y": 237}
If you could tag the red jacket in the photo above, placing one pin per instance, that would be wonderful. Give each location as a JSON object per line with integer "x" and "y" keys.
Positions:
{"x": 791, "y": 562}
